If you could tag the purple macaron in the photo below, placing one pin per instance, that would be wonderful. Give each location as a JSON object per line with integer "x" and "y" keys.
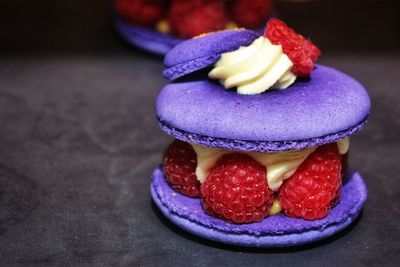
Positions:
{"x": 198, "y": 53}
{"x": 323, "y": 108}
{"x": 144, "y": 38}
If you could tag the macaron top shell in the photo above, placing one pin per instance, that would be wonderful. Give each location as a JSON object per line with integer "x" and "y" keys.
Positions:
{"x": 327, "y": 103}
{"x": 201, "y": 52}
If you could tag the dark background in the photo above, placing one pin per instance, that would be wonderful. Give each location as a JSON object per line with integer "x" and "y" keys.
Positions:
{"x": 79, "y": 140}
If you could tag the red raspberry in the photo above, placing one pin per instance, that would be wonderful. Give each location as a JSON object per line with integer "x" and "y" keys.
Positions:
{"x": 195, "y": 17}
{"x": 236, "y": 189}
{"x": 315, "y": 186}
{"x": 180, "y": 166}
{"x": 302, "y": 52}
{"x": 141, "y": 12}
{"x": 250, "y": 13}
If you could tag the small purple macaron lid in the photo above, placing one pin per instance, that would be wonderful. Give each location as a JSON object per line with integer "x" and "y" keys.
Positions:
{"x": 328, "y": 106}
{"x": 198, "y": 53}
{"x": 274, "y": 231}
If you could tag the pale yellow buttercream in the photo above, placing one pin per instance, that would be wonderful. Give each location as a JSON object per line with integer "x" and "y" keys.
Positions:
{"x": 280, "y": 166}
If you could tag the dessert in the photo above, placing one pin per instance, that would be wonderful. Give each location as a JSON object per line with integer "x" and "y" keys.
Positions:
{"x": 262, "y": 139}
{"x": 158, "y": 25}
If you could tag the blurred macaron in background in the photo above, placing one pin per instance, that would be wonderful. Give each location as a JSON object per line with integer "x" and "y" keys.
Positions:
{"x": 158, "y": 25}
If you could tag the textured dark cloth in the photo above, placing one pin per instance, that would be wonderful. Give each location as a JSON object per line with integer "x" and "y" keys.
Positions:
{"x": 79, "y": 140}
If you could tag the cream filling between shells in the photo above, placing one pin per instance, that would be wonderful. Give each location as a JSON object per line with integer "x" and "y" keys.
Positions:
{"x": 280, "y": 166}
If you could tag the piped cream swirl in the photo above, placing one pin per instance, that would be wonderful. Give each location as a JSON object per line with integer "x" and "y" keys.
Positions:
{"x": 255, "y": 68}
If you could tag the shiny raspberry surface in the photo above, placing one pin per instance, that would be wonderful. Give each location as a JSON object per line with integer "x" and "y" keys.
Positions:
{"x": 236, "y": 190}
{"x": 179, "y": 167}
{"x": 315, "y": 186}
{"x": 301, "y": 51}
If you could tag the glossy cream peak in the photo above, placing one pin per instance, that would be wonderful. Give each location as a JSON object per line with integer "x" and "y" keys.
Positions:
{"x": 255, "y": 68}
{"x": 280, "y": 166}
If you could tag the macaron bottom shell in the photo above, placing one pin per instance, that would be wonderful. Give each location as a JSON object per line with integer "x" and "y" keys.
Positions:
{"x": 274, "y": 231}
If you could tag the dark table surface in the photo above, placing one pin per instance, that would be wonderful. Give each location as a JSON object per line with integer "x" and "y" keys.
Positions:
{"x": 79, "y": 140}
